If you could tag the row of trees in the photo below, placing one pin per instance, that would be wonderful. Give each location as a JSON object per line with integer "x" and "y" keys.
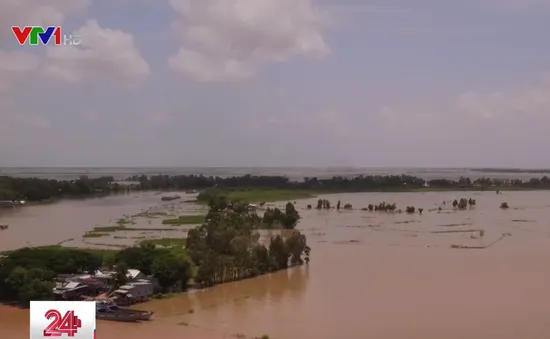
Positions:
{"x": 34, "y": 189}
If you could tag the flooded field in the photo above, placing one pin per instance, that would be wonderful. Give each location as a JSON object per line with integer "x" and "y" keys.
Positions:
{"x": 372, "y": 274}
{"x": 67, "y": 221}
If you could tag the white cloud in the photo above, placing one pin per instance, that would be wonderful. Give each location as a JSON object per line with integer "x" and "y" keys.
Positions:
{"x": 517, "y": 5}
{"x": 226, "y": 40}
{"x": 209, "y": 68}
{"x": 12, "y": 65}
{"x": 103, "y": 52}
{"x": 37, "y": 13}
{"x": 527, "y": 101}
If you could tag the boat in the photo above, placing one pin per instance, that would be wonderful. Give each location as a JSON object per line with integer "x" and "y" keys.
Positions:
{"x": 143, "y": 315}
{"x": 170, "y": 198}
{"x": 4, "y": 227}
{"x": 103, "y": 313}
{"x": 111, "y": 311}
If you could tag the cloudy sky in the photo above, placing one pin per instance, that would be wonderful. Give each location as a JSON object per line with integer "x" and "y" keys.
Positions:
{"x": 278, "y": 83}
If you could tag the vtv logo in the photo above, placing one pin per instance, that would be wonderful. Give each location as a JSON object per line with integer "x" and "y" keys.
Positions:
{"x": 33, "y": 35}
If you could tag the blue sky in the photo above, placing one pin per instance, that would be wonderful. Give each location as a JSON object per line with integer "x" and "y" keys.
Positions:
{"x": 278, "y": 83}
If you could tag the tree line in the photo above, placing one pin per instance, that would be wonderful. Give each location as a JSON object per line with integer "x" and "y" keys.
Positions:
{"x": 34, "y": 189}
{"x": 225, "y": 248}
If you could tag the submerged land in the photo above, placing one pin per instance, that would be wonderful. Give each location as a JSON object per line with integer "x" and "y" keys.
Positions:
{"x": 223, "y": 248}
{"x": 456, "y": 263}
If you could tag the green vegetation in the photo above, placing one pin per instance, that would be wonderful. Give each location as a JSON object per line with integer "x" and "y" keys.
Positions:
{"x": 252, "y": 188}
{"x": 112, "y": 229}
{"x": 167, "y": 242}
{"x": 124, "y": 221}
{"x": 34, "y": 189}
{"x": 107, "y": 229}
{"x": 94, "y": 235}
{"x": 255, "y": 195}
{"x": 275, "y": 218}
{"x": 185, "y": 220}
{"x": 28, "y": 274}
{"x": 150, "y": 215}
{"x": 225, "y": 248}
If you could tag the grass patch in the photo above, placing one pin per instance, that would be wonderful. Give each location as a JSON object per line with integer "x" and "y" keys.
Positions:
{"x": 94, "y": 235}
{"x": 107, "y": 245}
{"x": 124, "y": 221}
{"x": 150, "y": 215}
{"x": 107, "y": 229}
{"x": 167, "y": 242}
{"x": 185, "y": 220}
{"x": 257, "y": 195}
{"x": 148, "y": 229}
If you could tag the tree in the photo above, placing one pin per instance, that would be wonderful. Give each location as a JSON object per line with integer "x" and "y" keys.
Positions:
{"x": 139, "y": 258}
{"x": 280, "y": 253}
{"x": 319, "y": 204}
{"x": 121, "y": 274}
{"x": 171, "y": 271}
{"x": 297, "y": 247}
{"x": 291, "y": 216}
{"x": 226, "y": 247}
{"x": 30, "y": 284}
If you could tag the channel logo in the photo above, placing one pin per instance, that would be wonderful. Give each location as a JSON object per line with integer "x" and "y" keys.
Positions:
{"x": 58, "y": 319}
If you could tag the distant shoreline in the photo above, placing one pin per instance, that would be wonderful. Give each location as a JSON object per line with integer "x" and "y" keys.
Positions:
{"x": 295, "y": 173}
{"x": 250, "y": 187}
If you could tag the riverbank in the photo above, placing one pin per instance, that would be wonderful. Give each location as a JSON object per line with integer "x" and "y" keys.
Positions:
{"x": 34, "y": 189}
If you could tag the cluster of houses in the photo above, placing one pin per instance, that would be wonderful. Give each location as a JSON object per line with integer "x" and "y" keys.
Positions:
{"x": 11, "y": 203}
{"x": 139, "y": 287}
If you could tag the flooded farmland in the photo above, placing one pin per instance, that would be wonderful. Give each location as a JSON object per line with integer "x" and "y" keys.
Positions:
{"x": 372, "y": 274}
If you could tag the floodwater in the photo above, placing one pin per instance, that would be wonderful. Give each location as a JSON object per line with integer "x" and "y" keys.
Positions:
{"x": 372, "y": 275}
{"x": 67, "y": 220}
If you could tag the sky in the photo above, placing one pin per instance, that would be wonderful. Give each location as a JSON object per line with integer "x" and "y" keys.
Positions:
{"x": 423, "y": 83}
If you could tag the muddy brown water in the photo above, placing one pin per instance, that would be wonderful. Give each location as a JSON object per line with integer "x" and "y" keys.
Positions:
{"x": 372, "y": 275}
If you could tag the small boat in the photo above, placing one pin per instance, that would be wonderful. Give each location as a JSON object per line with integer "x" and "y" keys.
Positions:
{"x": 143, "y": 315}
{"x": 4, "y": 227}
{"x": 170, "y": 198}
{"x": 104, "y": 314}
{"x": 111, "y": 311}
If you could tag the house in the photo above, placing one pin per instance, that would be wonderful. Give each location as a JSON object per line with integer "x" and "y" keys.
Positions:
{"x": 70, "y": 291}
{"x": 135, "y": 275}
{"x": 133, "y": 292}
{"x": 6, "y": 203}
